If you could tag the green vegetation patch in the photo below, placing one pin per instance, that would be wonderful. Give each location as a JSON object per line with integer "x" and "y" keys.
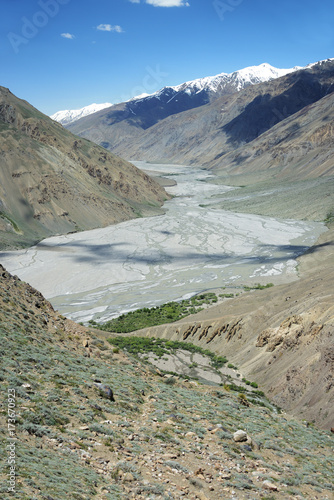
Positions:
{"x": 258, "y": 286}
{"x": 166, "y": 313}
{"x": 160, "y": 347}
{"x": 11, "y": 221}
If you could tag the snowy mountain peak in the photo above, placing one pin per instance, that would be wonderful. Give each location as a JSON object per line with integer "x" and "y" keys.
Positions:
{"x": 225, "y": 82}
{"x": 246, "y": 76}
{"x": 68, "y": 116}
{"x": 202, "y": 89}
{"x": 263, "y": 71}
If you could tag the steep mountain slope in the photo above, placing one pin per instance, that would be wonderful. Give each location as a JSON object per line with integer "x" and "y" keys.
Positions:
{"x": 67, "y": 116}
{"x": 53, "y": 182}
{"x": 298, "y": 147}
{"x": 204, "y": 135}
{"x": 281, "y": 337}
{"x": 82, "y": 420}
{"x": 130, "y": 119}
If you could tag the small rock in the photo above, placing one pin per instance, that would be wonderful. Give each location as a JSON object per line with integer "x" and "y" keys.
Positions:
{"x": 201, "y": 495}
{"x": 269, "y": 486}
{"x": 105, "y": 391}
{"x": 128, "y": 477}
{"x": 191, "y": 434}
{"x": 240, "y": 436}
{"x": 225, "y": 476}
{"x": 171, "y": 456}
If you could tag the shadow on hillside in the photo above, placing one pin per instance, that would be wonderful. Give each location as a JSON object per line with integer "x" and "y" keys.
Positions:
{"x": 267, "y": 110}
{"x": 114, "y": 253}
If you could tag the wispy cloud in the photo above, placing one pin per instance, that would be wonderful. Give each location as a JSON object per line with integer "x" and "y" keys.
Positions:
{"x": 168, "y": 3}
{"x": 109, "y": 27}
{"x": 165, "y": 3}
{"x": 67, "y": 35}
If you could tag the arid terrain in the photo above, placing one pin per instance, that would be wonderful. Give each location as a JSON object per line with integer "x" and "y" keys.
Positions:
{"x": 92, "y": 421}
{"x": 52, "y": 182}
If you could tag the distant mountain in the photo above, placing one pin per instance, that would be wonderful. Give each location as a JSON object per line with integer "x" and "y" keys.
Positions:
{"x": 126, "y": 122}
{"x": 231, "y": 82}
{"x": 205, "y": 134}
{"x": 68, "y": 116}
{"x": 53, "y": 182}
{"x": 208, "y": 88}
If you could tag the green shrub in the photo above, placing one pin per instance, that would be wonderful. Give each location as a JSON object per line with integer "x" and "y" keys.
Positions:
{"x": 166, "y": 313}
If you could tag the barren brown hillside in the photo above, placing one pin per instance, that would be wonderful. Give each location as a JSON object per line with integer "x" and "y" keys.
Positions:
{"x": 53, "y": 182}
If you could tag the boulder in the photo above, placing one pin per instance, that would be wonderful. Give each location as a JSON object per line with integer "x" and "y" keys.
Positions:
{"x": 240, "y": 436}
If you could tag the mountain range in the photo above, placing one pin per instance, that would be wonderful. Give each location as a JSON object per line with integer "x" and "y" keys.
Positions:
{"x": 197, "y": 91}
{"x": 169, "y": 125}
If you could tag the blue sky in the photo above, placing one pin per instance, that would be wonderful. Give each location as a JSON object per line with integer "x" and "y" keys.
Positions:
{"x": 66, "y": 54}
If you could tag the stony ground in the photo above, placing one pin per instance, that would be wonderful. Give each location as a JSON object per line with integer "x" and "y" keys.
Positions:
{"x": 94, "y": 423}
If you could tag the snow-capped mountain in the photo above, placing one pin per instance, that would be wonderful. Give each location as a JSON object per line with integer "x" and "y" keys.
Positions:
{"x": 203, "y": 89}
{"x": 68, "y": 116}
{"x": 235, "y": 81}
{"x": 200, "y": 121}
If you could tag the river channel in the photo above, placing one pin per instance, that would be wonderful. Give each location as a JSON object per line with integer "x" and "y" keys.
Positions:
{"x": 102, "y": 273}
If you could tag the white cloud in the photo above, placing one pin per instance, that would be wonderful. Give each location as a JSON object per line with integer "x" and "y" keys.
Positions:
{"x": 109, "y": 27}
{"x": 168, "y": 3}
{"x": 67, "y": 35}
{"x": 165, "y": 3}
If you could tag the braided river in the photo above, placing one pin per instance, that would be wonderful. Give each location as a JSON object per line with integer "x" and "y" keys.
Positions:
{"x": 102, "y": 273}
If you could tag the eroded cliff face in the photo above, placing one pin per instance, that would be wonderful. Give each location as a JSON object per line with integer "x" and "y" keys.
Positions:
{"x": 281, "y": 337}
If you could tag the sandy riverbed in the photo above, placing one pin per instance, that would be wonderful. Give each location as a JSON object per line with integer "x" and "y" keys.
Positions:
{"x": 144, "y": 262}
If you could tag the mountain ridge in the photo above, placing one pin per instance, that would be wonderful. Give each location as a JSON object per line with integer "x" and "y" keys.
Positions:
{"x": 212, "y": 84}
{"x": 150, "y": 130}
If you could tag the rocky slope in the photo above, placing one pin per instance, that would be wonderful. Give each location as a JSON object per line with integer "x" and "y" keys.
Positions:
{"x": 288, "y": 171}
{"x": 280, "y": 337}
{"x": 52, "y": 182}
{"x": 82, "y": 420}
